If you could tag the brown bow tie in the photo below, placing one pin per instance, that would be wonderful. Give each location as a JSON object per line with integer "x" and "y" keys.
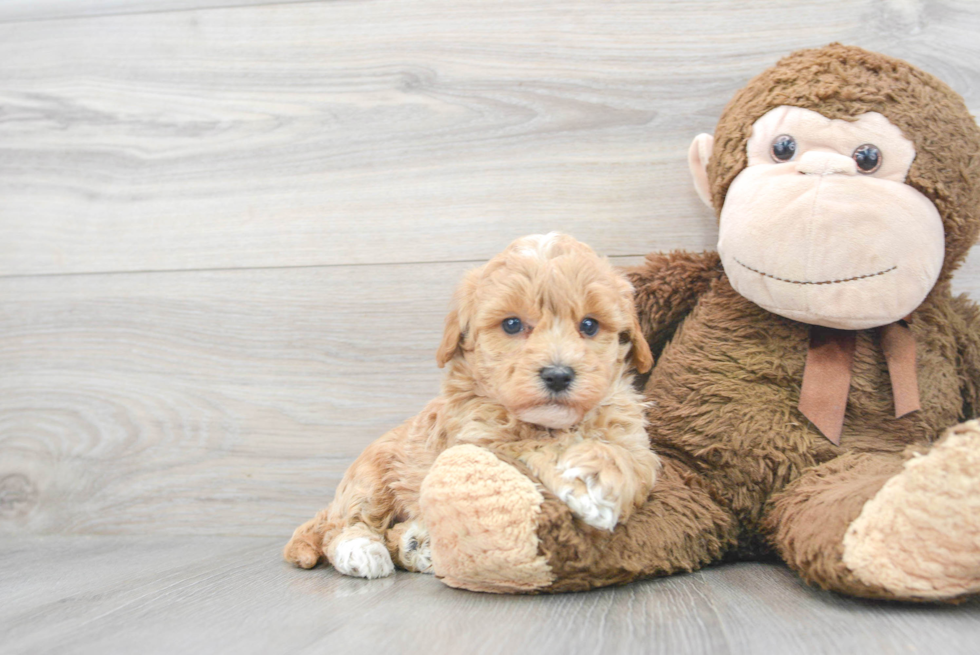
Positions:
{"x": 827, "y": 374}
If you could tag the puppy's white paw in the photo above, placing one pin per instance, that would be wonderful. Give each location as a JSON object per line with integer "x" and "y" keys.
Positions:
{"x": 416, "y": 553}
{"x": 363, "y": 558}
{"x": 594, "y": 507}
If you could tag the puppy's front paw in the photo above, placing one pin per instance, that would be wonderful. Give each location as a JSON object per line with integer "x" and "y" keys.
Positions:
{"x": 588, "y": 500}
{"x": 363, "y": 558}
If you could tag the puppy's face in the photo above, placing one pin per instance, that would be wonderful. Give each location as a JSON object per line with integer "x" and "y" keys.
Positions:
{"x": 546, "y": 328}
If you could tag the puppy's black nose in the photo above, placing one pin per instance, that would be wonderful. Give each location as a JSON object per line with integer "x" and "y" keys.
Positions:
{"x": 557, "y": 378}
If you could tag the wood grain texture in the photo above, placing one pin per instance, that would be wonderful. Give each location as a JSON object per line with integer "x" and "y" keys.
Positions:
{"x": 382, "y": 131}
{"x": 41, "y": 10}
{"x": 213, "y": 402}
{"x": 206, "y": 402}
{"x": 234, "y": 595}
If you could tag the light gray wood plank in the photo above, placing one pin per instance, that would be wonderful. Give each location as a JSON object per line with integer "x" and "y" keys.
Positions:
{"x": 967, "y": 278}
{"x": 39, "y": 10}
{"x": 363, "y": 132}
{"x": 226, "y": 402}
{"x": 223, "y": 594}
{"x": 214, "y": 402}
{"x": 766, "y": 608}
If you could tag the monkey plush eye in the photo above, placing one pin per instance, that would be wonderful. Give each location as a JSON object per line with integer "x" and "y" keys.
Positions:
{"x": 868, "y": 158}
{"x": 783, "y": 148}
{"x": 589, "y": 327}
{"x": 512, "y": 325}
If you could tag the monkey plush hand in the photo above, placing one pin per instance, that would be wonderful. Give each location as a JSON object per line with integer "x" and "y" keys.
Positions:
{"x": 812, "y": 377}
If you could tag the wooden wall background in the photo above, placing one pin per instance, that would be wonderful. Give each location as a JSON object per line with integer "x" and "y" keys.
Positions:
{"x": 229, "y": 228}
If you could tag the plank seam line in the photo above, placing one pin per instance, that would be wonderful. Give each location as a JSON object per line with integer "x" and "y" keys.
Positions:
{"x": 224, "y": 269}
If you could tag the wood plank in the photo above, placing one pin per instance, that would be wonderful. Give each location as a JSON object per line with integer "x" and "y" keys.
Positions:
{"x": 234, "y": 595}
{"x": 39, "y": 10}
{"x": 227, "y": 401}
{"x": 208, "y": 402}
{"x": 967, "y": 278}
{"x": 351, "y": 132}
{"x": 766, "y": 608}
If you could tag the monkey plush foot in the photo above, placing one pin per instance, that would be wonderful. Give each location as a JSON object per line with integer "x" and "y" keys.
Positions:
{"x": 481, "y": 514}
{"x": 919, "y": 537}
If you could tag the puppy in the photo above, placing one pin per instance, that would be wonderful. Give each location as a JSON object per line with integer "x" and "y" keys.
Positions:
{"x": 539, "y": 343}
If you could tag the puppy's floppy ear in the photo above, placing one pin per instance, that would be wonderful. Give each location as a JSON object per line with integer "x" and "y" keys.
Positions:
{"x": 458, "y": 319}
{"x": 451, "y": 338}
{"x": 640, "y": 352}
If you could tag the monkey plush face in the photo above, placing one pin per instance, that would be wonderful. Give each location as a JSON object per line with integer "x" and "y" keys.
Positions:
{"x": 847, "y": 185}
{"x": 820, "y": 226}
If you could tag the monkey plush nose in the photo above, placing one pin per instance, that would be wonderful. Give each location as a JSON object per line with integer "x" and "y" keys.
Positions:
{"x": 557, "y": 378}
{"x": 815, "y": 162}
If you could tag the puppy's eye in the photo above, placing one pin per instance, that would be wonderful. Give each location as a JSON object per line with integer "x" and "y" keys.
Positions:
{"x": 783, "y": 148}
{"x": 512, "y": 325}
{"x": 868, "y": 158}
{"x": 589, "y": 327}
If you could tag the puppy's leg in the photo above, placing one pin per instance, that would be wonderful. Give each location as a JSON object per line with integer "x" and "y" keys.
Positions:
{"x": 305, "y": 548}
{"x": 408, "y": 545}
{"x": 350, "y": 531}
{"x": 602, "y": 483}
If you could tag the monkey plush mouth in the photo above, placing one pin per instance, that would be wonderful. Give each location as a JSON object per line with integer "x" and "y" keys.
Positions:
{"x": 847, "y": 279}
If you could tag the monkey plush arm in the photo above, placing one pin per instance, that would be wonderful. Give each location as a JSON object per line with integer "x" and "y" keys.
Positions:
{"x": 966, "y": 324}
{"x": 668, "y": 286}
{"x": 493, "y": 527}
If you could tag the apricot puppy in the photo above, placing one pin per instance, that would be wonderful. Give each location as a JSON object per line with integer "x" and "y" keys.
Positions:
{"x": 539, "y": 345}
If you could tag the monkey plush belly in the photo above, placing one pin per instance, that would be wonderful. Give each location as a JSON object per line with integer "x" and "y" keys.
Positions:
{"x": 870, "y": 424}
{"x": 724, "y": 397}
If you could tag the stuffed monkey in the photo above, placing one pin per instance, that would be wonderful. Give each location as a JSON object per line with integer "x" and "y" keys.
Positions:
{"x": 813, "y": 376}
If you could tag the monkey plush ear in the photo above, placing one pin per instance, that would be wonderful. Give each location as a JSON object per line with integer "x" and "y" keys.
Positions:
{"x": 697, "y": 160}
{"x": 458, "y": 319}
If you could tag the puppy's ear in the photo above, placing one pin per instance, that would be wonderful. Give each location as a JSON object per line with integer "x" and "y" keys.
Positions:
{"x": 458, "y": 319}
{"x": 452, "y": 338}
{"x": 640, "y": 352}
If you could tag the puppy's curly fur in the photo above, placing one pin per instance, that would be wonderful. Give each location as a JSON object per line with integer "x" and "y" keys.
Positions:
{"x": 585, "y": 442}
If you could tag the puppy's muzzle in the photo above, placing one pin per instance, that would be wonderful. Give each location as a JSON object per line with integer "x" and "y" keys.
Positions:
{"x": 557, "y": 378}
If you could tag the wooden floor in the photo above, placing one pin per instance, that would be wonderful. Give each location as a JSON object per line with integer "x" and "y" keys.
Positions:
{"x": 233, "y": 595}
{"x": 229, "y": 231}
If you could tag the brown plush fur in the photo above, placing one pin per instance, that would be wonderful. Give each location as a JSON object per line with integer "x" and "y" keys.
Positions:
{"x": 808, "y": 519}
{"x": 744, "y": 471}
{"x": 586, "y": 443}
